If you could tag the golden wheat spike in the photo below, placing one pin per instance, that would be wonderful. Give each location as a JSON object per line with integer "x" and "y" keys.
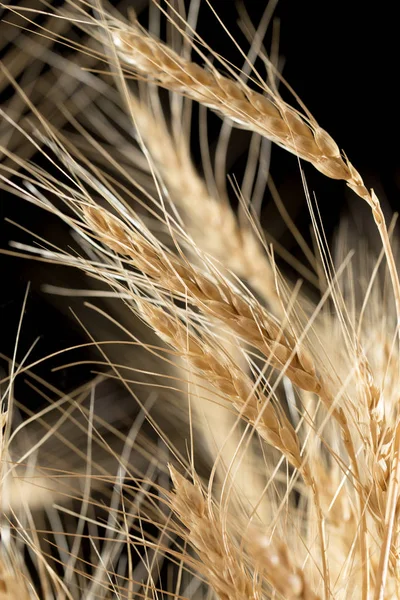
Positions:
{"x": 222, "y": 562}
{"x": 268, "y": 116}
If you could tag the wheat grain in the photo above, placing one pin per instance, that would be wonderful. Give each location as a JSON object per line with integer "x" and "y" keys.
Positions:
{"x": 221, "y": 561}
{"x": 271, "y": 558}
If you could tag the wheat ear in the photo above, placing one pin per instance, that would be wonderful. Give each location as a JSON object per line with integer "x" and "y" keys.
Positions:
{"x": 221, "y": 562}
{"x": 268, "y": 116}
{"x": 228, "y": 379}
{"x": 223, "y": 565}
{"x": 221, "y": 301}
{"x": 217, "y": 299}
{"x": 210, "y": 221}
{"x": 236, "y": 387}
{"x": 213, "y": 227}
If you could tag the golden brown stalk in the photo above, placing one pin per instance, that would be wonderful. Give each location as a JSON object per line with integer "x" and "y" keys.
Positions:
{"x": 223, "y": 564}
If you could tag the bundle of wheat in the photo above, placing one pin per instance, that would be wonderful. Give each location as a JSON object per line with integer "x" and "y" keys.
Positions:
{"x": 255, "y": 450}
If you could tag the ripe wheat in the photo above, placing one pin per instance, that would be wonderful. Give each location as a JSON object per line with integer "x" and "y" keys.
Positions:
{"x": 309, "y": 401}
